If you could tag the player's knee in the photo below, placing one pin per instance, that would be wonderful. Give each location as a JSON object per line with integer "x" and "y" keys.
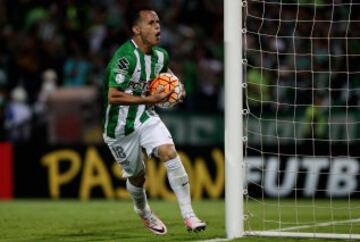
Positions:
{"x": 167, "y": 152}
{"x": 137, "y": 181}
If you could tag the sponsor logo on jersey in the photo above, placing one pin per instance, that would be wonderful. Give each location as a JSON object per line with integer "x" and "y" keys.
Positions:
{"x": 139, "y": 87}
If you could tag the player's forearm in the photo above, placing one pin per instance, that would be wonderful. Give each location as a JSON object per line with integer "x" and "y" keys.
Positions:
{"x": 127, "y": 100}
{"x": 121, "y": 98}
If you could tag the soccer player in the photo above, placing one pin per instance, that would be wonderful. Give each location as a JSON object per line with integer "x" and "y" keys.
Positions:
{"x": 130, "y": 127}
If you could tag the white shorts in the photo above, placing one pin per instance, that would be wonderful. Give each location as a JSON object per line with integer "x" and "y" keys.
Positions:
{"x": 127, "y": 150}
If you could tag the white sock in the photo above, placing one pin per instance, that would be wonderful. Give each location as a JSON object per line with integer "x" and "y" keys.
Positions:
{"x": 179, "y": 183}
{"x": 139, "y": 198}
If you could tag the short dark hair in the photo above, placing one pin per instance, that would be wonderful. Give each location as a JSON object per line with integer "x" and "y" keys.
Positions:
{"x": 134, "y": 16}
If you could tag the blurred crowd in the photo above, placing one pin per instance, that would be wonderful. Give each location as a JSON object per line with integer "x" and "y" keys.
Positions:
{"x": 45, "y": 45}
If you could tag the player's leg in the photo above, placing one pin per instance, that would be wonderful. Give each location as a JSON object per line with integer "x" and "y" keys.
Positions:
{"x": 179, "y": 182}
{"x": 135, "y": 187}
{"x": 127, "y": 152}
{"x": 156, "y": 139}
{"x": 177, "y": 176}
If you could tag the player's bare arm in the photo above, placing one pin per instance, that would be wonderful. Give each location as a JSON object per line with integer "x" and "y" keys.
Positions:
{"x": 118, "y": 97}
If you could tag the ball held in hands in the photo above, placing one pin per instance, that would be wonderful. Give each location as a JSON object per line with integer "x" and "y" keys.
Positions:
{"x": 166, "y": 82}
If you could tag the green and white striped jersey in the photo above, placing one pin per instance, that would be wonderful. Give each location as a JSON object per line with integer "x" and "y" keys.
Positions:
{"x": 130, "y": 71}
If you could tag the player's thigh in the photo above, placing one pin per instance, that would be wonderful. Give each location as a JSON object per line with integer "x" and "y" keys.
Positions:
{"x": 154, "y": 134}
{"x": 127, "y": 152}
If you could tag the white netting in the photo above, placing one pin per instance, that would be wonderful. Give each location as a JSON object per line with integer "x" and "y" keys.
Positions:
{"x": 302, "y": 68}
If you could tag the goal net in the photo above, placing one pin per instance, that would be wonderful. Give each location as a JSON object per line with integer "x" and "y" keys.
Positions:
{"x": 301, "y": 63}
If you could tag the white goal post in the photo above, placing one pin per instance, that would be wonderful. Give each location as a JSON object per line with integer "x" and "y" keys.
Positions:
{"x": 234, "y": 164}
{"x": 292, "y": 119}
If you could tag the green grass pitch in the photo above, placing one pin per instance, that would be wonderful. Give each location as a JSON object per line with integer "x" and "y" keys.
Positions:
{"x": 104, "y": 220}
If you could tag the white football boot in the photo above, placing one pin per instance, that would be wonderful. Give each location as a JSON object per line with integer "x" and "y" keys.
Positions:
{"x": 194, "y": 224}
{"x": 152, "y": 222}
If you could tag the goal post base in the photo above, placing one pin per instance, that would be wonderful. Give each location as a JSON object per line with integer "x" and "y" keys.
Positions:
{"x": 301, "y": 235}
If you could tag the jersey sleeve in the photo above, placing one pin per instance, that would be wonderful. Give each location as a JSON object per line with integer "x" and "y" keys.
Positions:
{"x": 120, "y": 71}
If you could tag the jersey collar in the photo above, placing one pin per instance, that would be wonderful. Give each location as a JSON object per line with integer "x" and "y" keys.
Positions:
{"x": 133, "y": 42}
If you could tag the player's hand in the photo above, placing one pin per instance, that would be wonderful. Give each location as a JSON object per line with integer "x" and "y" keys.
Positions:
{"x": 158, "y": 97}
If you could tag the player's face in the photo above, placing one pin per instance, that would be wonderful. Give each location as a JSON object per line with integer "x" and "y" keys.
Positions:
{"x": 149, "y": 25}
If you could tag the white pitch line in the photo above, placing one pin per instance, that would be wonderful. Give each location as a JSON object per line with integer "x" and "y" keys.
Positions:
{"x": 295, "y": 228}
{"x": 317, "y": 225}
{"x": 214, "y": 240}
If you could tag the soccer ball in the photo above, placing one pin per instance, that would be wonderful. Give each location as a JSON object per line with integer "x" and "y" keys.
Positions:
{"x": 167, "y": 82}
